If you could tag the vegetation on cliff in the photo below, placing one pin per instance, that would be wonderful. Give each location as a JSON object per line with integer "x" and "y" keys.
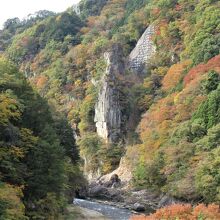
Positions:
{"x": 176, "y": 101}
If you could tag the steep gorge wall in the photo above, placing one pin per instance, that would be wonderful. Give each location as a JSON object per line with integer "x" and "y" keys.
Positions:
{"x": 108, "y": 115}
{"x": 108, "y": 109}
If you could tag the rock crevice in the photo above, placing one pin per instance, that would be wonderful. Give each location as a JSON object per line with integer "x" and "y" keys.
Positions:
{"x": 108, "y": 109}
{"x": 108, "y": 116}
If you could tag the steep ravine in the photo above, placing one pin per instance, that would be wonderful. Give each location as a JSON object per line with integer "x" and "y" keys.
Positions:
{"x": 115, "y": 188}
{"x": 111, "y": 123}
{"x": 113, "y": 117}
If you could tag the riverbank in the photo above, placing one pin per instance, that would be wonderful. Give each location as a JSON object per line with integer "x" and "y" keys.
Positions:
{"x": 75, "y": 212}
{"x": 115, "y": 192}
{"x": 143, "y": 201}
{"x": 108, "y": 211}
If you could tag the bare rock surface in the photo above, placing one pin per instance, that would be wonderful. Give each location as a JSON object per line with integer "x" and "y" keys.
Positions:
{"x": 123, "y": 172}
{"x": 139, "y": 207}
{"x": 108, "y": 115}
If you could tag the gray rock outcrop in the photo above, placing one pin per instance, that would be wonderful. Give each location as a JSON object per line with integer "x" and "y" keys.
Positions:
{"x": 102, "y": 192}
{"x": 123, "y": 172}
{"x": 76, "y": 9}
{"x": 108, "y": 110}
{"x": 143, "y": 51}
{"x": 108, "y": 116}
{"x": 167, "y": 200}
{"x": 138, "y": 207}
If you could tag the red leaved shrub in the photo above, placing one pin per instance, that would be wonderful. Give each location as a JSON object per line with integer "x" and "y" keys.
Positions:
{"x": 183, "y": 212}
{"x": 174, "y": 75}
{"x": 212, "y": 64}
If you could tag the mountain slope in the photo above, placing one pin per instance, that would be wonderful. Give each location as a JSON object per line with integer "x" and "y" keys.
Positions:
{"x": 174, "y": 98}
{"x": 38, "y": 155}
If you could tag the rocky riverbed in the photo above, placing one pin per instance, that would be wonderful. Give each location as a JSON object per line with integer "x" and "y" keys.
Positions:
{"x": 115, "y": 193}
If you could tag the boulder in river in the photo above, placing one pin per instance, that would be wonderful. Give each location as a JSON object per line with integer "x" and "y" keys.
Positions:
{"x": 104, "y": 193}
{"x": 138, "y": 207}
{"x": 114, "y": 182}
{"x": 99, "y": 191}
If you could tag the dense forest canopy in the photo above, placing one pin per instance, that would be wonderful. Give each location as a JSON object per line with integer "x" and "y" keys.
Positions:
{"x": 38, "y": 152}
{"x": 175, "y": 139}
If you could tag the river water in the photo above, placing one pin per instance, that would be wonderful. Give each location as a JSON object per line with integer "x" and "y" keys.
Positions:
{"x": 111, "y": 212}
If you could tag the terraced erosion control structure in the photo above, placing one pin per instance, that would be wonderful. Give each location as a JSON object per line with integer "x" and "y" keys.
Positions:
{"x": 143, "y": 51}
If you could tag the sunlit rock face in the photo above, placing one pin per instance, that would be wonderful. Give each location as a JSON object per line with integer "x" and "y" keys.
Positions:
{"x": 123, "y": 171}
{"x": 108, "y": 116}
{"x": 143, "y": 51}
{"x": 108, "y": 110}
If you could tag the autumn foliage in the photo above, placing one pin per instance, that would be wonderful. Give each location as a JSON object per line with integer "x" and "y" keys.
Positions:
{"x": 174, "y": 75}
{"x": 41, "y": 81}
{"x": 201, "y": 69}
{"x": 170, "y": 111}
{"x": 184, "y": 212}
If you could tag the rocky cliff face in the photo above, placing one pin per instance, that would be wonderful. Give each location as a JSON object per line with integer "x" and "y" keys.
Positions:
{"x": 108, "y": 116}
{"x": 143, "y": 51}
